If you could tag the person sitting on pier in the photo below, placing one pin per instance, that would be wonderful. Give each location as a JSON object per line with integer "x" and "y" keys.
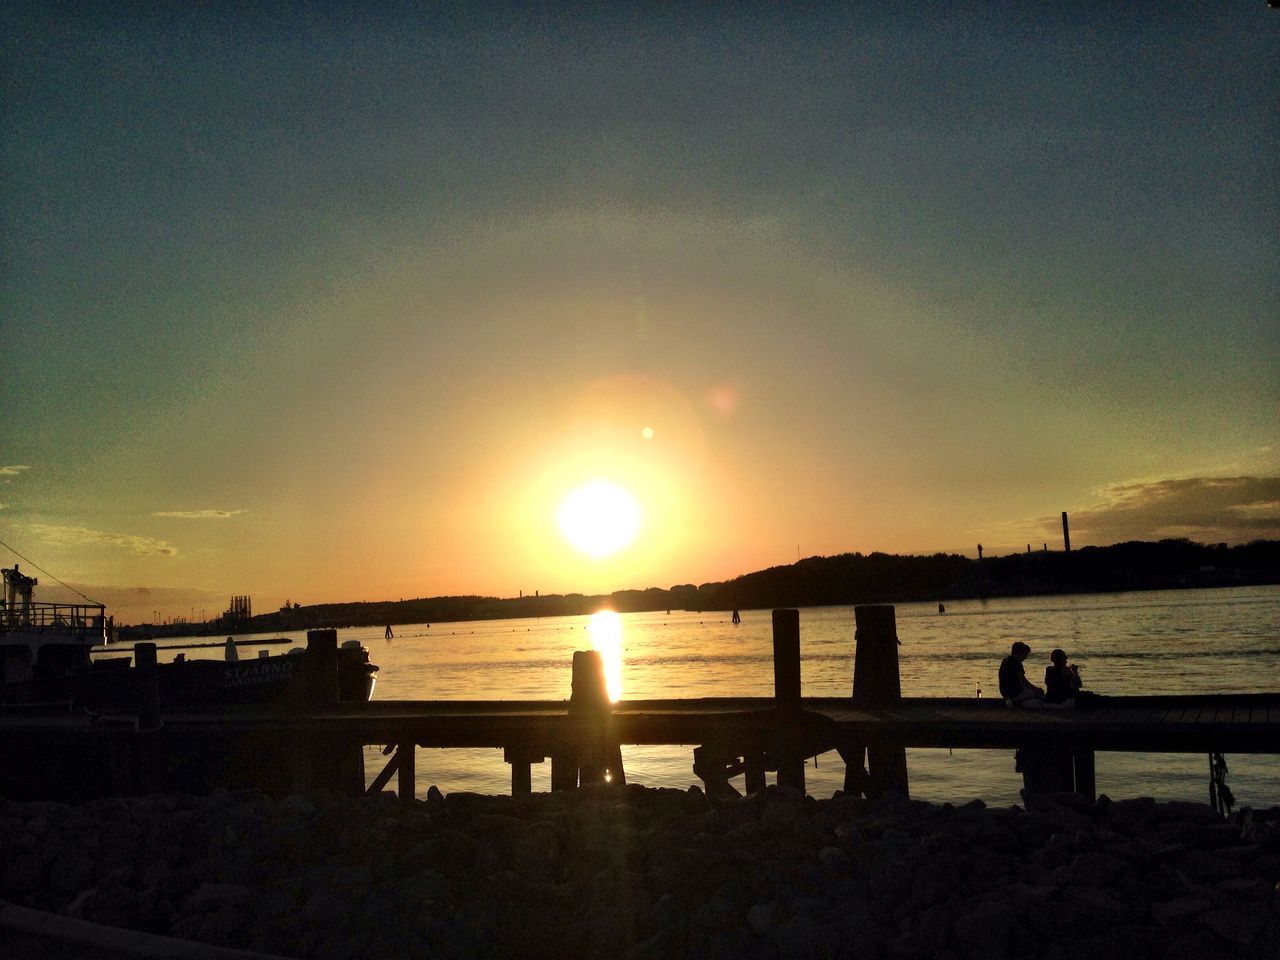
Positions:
{"x": 1014, "y": 685}
{"x": 1061, "y": 679}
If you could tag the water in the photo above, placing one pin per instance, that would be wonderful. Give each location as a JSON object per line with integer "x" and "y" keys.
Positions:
{"x": 1192, "y": 641}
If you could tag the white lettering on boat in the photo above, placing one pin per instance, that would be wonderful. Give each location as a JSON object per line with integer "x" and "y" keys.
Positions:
{"x": 254, "y": 672}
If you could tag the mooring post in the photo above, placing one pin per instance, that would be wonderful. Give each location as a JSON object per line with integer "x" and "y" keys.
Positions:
{"x": 877, "y": 685}
{"x": 148, "y": 678}
{"x": 591, "y": 714}
{"x": 322, "y": 666}
{"x": 786, "y": 698}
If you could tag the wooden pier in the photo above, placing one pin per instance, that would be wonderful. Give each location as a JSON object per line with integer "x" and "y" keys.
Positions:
{"x": 321, "y": 742}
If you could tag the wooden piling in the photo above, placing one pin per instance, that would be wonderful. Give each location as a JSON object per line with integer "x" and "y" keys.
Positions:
{"x": 522, "y": 757}
{"x": 322, "y": 666}
{"x": 1085, "y": 774}
{"x": 877, "y": 686}
{"x": 786, "y": 698}
{"x": 590, "y": 712}
{"x": 754, "y": 762}
{"x": 564, "y": 770}
{"x": 148, "y": 679}
{"x": 407, "y": 782}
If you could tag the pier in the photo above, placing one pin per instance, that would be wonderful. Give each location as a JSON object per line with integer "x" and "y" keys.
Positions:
{"x": 735, "y": 742}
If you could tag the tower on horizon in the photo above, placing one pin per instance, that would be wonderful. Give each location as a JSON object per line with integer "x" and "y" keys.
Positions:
{"x": 1066, "y": 533}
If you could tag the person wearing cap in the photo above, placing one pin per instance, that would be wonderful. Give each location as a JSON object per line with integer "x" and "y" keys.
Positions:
{"x": 1014, "y": 685}
{"x": 1061, "y": 679}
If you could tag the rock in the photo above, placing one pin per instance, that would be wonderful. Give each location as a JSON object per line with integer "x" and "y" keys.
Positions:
{"x": 761, "y": 918}
{"x": 1185, "y": 811}
{"x": 1201, "y": 865}
{"x": 210, "y": 895}
{"x": 1236, "y": 924}
{"x": 799, "y": 937}
{"x": 1094, "y": 869}
{"x": 834, "y": 860}
{"x": 319, "y": 876}
{"x": 983, "y": 932}
{"x": 535, "y": 851}
{"x": 1092, "y": 906}
{"x": 1201, "y": 945}
{"x": 296, "y": 805}
{"x": 1174, "y": 911}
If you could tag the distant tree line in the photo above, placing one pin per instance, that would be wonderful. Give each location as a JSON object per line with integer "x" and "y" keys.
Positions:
{"x": 848, "y": 578}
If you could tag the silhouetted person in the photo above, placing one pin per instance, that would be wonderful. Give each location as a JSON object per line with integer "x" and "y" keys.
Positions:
{"x": 1061, "y": 679}
{"x": 1014, "y": 685}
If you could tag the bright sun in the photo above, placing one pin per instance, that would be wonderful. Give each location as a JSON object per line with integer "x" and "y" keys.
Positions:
{"x": 599, "y": 518}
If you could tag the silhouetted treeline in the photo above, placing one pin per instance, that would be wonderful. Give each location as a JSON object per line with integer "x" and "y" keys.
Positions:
{"x": 845, "y": 579}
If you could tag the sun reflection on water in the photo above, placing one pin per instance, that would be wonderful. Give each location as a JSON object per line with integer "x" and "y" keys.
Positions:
{"x": 605, "y": 628}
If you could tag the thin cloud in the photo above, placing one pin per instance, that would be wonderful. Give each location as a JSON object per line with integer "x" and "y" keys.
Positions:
{"x": 79, "y": 536}
{"x": 13, "y": 470}
{"x": 199, "y": 514}
{"x": 1207, "y": 509}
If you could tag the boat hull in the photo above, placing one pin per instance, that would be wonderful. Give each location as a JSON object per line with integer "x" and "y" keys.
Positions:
{"x": 111, "y": 684}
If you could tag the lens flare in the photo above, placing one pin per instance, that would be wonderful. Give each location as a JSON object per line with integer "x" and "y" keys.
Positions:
{"x": 605, "y": 628}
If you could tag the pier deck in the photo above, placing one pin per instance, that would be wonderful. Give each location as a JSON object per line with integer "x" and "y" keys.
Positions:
{"x": 313, "y": 739}
{"x": 728, "y": 731}
{"x": 1238, "y": 723}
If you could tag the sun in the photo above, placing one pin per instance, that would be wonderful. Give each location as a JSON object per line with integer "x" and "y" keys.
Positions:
{"x": 599, "y": 518}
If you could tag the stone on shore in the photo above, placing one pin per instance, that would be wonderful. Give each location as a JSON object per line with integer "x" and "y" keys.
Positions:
{"x": 651, "y": 873}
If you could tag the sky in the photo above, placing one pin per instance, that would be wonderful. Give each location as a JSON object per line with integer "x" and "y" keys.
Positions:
{"x": 321, "y": 304}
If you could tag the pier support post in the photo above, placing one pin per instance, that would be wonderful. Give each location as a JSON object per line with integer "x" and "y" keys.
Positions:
{"x": 407, "y": 780}
{"x": 876, "y": 685}
{"x": 1085, "y": 775}
{"x": 148, "y": 678}
{"x": 755, "y": 772}
{"x": 564, "y": 771}
{"x": 786, "y": 697}
{"x": 522, "y": 759}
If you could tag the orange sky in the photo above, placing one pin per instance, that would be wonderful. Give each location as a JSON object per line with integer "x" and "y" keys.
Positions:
{"x": 340, "y": 309}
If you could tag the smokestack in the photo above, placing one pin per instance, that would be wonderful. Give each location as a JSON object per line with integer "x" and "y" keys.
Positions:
{"x": 1066, "y": 533}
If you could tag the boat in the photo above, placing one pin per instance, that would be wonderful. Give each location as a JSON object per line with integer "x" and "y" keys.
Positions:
{"x": 47, "y": 656}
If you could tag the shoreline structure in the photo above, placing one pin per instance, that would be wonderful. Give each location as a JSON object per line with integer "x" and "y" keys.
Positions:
{"x": 610, "y": 871}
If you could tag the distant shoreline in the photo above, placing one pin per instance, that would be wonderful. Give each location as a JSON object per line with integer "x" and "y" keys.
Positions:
{"x": 842, "y": 580}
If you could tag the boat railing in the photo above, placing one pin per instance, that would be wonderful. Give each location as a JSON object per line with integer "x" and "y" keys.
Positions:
{"x": 55, "y": 617}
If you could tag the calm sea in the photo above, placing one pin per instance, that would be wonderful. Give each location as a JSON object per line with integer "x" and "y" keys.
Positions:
{"x": 1188, "y": 641}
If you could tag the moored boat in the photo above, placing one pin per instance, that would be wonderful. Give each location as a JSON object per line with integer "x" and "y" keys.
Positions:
{"x": 46, "y": 656}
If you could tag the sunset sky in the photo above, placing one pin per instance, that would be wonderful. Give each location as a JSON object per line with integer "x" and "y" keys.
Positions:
{"x": 322, "y": 306}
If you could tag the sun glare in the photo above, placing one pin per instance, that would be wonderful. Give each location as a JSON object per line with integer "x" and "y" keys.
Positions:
{"x": 599, "y": 518}
{"x": 605, "y": 628}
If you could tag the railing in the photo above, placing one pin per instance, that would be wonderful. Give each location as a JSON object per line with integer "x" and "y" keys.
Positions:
{"x": 55, "y": 617}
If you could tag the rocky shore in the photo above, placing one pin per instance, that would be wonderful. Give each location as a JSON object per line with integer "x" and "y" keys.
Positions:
{"x": 648, "y": 873}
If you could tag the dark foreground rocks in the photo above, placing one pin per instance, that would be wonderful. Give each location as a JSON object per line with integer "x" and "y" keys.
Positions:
{"x": 646, "y": 873}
